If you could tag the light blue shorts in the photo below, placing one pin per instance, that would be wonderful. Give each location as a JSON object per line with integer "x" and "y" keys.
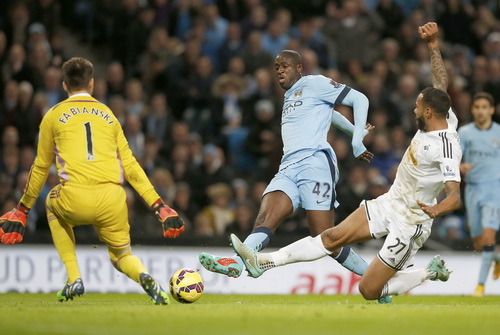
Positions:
{"x": 309, "y": 183}
{"x": 482, "y": 202}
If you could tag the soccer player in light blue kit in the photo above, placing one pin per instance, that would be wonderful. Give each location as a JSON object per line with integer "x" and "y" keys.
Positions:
{"x": 308, "y": 171}
{"x": 480, "y": 142}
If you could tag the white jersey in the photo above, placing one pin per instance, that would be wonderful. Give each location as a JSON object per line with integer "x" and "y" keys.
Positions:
{"x": 432, "y": 159}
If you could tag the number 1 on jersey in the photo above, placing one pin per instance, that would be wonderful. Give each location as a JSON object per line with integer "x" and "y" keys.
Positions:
{"x": 90, "y": 143}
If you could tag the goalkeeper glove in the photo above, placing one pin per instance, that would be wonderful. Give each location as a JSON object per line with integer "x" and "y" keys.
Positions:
{"x": 172, "y": 223}
{"x": 13, "y": 225}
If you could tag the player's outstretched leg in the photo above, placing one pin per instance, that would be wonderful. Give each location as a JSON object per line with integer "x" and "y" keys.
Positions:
{"x": 71, "y": 290}
{"x": 153, "y": 289}
{"x": 437, "y": 266}
{"x": 248, "y": 256}
{"x": 224, "y": 265}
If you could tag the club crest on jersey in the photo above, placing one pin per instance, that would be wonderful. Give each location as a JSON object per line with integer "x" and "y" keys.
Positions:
{"x": 410, "y": 156}
{"x": 495, "y": 143}
{"x": 297, "y": 94}
{"x": 335, "y": 84}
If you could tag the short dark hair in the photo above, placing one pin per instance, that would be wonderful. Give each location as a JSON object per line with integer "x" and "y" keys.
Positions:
{"x": 77, "y": 73}
{"x": 293, "y": 55}
{"x": 484, "y": 95}
{"x": 436, "y": 99}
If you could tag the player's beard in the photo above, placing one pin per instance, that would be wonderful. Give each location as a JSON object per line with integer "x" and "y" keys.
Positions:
{"x": 421, "y": 123}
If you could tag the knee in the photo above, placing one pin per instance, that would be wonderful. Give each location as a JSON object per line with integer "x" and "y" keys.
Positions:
{"x": 328, "y": 239}
{"x": 369, "y": 293}
{"x": 116, "y": 254}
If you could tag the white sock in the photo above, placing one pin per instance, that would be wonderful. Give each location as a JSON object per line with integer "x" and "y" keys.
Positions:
{"x": 306, "y": 249}
{"x": 403, "y": 281}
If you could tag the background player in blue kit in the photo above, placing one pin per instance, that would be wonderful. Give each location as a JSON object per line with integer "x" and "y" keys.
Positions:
{"x": 308, "y": 171}
{"x": 480, "y": 142}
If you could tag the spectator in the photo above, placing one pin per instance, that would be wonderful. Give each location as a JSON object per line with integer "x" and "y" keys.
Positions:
{"x": 158, "y": 120}
{"x": 25, "y": 118}
{"x": 198, "y": 114}
{"x": 390, "y": 12}
{"x": 134, "y": 98}
{"x": 275, "y": 38}
{"x": 253, "y": 55}
{"x": 135, "y": 136}
{"x": 244, "y": 216}
{"x": 231, "y": 10}
{"x": 117, "y": 105}
{"x": 384, "y": 159}
{"x": 352, "y": 191}
{"x": 255, "y": 21}
{"x": 16, "y": 68}
{"x": 215, "y": 33}
{"x": 115, "y": 78}
{"x": 404, "y": 100}
{"x": 231, "y": 47}
{"x": 52, "y": 78}
{"x": 218, "y": 214}
{"x": 354, "y": 32}
{"x": 185, "y": 206}
{"x": 309, "y": 37}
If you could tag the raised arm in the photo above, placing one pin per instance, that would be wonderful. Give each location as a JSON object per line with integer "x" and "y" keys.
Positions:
{"x": 429, "y": 32}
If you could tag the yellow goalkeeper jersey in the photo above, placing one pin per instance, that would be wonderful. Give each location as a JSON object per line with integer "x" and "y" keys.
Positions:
{"x": 89, "y": 147}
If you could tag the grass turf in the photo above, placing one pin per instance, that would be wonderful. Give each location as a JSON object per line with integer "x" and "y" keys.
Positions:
{"x": 248, "y": 314}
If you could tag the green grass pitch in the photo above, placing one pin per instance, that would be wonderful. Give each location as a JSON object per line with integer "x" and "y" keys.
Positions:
{"x": 123, "y": 314}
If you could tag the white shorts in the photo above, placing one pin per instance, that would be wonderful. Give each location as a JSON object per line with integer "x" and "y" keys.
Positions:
{"x": 404, "y": 238}
{"x": 309, "y": 183}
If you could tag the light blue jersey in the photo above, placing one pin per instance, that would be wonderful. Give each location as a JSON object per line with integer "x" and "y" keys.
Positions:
{"x": 308, "y": 171}
{"x": 307, "y": 117}
{"x": 481, "y": 148}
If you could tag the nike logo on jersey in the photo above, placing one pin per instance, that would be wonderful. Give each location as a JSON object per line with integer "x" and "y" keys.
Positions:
{"x": 321, "y": 201}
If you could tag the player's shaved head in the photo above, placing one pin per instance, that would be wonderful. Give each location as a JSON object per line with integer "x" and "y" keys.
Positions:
{"x": 294, "y": 57}
{"x": 288, "y": 65}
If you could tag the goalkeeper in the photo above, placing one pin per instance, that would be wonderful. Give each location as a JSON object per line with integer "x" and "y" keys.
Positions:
{"x": 93, "y": 159}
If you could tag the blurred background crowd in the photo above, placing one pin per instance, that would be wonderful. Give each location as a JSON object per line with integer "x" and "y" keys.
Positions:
{"x": 193, "y": 85}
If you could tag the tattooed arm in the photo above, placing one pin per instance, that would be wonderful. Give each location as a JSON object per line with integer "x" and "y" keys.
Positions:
{"x": 429, "y": 32}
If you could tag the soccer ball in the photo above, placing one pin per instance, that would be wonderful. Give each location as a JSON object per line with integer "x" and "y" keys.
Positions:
{"x": 186, "y": 286}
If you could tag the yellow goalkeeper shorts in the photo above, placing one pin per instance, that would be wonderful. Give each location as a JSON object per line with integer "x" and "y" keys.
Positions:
{"x": 103, "y": 206}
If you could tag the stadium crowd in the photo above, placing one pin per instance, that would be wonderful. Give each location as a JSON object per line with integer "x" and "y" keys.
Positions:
{"x": 193, "y": 84}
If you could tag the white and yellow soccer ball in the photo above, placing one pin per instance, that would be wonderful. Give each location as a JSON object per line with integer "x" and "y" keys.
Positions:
{"x": 186, "y": 286}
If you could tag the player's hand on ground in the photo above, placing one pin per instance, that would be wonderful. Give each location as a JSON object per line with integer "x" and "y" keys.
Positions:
{"x": 366, "y": 156}
{"x": 429, "y": 210}
{"x": 173, "y": 225}
{"x": 12, "y": 226}
{"x": 428, "y": 32}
